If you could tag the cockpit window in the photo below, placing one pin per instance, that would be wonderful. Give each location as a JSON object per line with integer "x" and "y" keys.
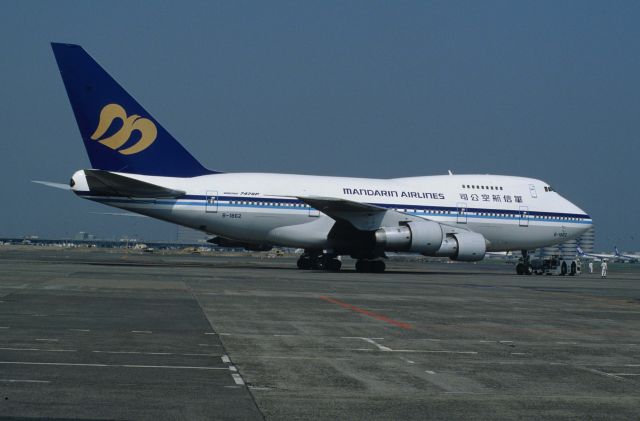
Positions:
{"x": 548, "y": 188}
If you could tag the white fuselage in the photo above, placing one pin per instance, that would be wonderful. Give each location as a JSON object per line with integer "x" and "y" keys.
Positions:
{"x": 512, "y": 213}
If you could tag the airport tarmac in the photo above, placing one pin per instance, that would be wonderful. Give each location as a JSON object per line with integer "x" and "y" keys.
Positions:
{"x": 110, "y": 334}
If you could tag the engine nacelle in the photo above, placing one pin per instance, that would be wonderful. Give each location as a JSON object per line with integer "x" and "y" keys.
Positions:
{"x": 464, "y": 246}
{"x": 421, "y": 237}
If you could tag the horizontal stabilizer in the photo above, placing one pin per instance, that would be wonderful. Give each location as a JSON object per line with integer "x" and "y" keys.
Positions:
{"x": 110, "y": 184}
{"x": 61, "y": 186}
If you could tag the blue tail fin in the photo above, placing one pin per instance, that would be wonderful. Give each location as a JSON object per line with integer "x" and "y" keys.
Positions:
{"x": 118, "y": 133}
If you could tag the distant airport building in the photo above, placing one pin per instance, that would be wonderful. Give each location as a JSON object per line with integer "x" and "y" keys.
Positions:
{"x": 84, "y": 236}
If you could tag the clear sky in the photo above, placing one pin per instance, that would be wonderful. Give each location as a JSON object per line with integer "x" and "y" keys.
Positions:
{"x": 546, "y": 89}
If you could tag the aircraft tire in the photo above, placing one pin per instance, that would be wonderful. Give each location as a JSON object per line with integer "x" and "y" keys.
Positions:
{"x": 304, "y": 263}
{"x": 363, "y": 266}
{"x": 333, "y": 265}
{"x": 520, "y": 268}
{"x": 378, "y": 266}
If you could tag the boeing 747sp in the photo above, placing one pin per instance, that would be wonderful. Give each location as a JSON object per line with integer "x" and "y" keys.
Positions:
{"x": 138, "y": 166}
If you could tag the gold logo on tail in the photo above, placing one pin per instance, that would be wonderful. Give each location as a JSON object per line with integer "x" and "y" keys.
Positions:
{"x": 111, "y": 112}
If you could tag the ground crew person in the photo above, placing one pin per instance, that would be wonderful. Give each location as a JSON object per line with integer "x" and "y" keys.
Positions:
{"x": 603, "y": 266}
{"x": 591, "y": 267}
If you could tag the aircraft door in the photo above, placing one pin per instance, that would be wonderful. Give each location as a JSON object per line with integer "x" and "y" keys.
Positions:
{"x": 524, "y": 216}
{"x": 211, "y": 204}
{"x": 313, "y": 212}
{"x": 532, "y": 190}
{"x": 462, "y": 213}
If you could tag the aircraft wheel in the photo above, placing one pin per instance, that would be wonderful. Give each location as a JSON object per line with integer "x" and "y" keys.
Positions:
{"x": 378, "y": 266}
{"x": 363, "y": 266}
{"x": 563, "y": 268}
{"x": 317, "y": 264}
{"x": 520, "y": 268}
{"x": 333, "y": 265}
{"x": 304, "y": 263}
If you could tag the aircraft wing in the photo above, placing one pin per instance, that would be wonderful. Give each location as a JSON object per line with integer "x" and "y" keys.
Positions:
{"x": 363, "y": 216}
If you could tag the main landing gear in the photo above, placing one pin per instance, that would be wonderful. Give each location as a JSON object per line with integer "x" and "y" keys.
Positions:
{"x": 316, "y": 260}
{"x": 524, "y": 267}
{"x": 319, "y": 261}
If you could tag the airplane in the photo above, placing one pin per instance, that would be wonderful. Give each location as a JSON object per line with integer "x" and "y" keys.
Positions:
{"x": 138, "y": 166}
{"x": 629, "y": 257}
{"x": 593, "y": 256}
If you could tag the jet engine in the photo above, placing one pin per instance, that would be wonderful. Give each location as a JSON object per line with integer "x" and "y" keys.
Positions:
{"x": 421, "y": 237}
{"x": 427, "y": 238}
{"x": 464, "y": 246}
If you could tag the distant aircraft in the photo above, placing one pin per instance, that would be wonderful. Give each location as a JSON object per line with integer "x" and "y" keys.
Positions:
{"x": 630, "y": 257}
{"x": 138, "y": 166}
{"x": 593, "y": 256}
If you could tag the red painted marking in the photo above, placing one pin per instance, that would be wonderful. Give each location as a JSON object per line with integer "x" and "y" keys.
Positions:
{"x": 377, "y": 316}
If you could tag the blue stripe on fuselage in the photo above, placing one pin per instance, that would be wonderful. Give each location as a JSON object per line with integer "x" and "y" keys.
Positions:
{"x": 290, "y": 204}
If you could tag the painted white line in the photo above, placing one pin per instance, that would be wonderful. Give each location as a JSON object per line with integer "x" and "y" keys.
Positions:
{"x": 519, "y": 353}
{"x": 237, "y": 378}
{"x": 624, "y": 374}
{"x": 80, "y": 330}
{"x": 195, "y": 354}
{"x": 430, "y": 372}
{"x": 4, "y": 327}
{"x": 23, "y": 381}
{"x": 153, "y": 353}
{"x": 506, "y": 342}
{"x": 602, "y": 373}
{"x": 233, "y": 368}
{"x": 210, "y": 333}
{"x": 435, "y": 352}
{"x": 224, "y": 334}
{"x": 141, "y": 331}
{"x": 38, "y": 349}
{"x": 380, "y": 347}
{"x": 359, "y": 337}
{"x": 407, "y": 361}
{"x": 114, "y": 365}
{"x": 285, "y": 336}
{"x": 47, "y": 340}
{"x": 487, "y": 342}
{"x": 225, "y": 359}
{"x": 566, "y": 343}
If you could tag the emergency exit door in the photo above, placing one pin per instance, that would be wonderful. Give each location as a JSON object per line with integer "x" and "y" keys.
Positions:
{"x": 462, "y": 213}
{"x": 211, "y": 203}
{"x": 524, "y": 216}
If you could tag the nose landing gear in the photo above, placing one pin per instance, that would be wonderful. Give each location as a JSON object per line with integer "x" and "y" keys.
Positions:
{"x": 524, "y": 267}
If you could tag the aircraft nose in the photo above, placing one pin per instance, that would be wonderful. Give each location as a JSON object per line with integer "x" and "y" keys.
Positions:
{"x": 585, "y": 220}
